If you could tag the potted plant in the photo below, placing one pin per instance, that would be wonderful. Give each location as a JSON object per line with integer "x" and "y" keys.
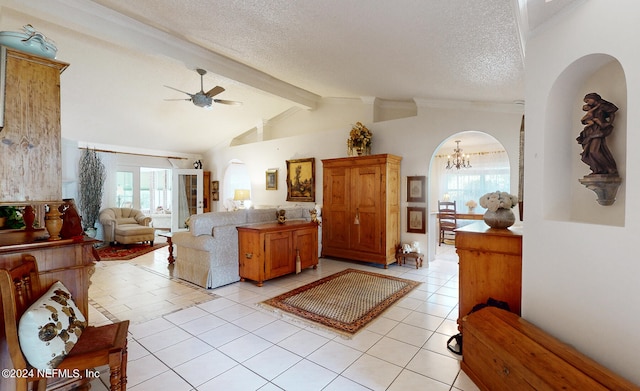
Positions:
{"x": 92, "y": 177}
{"x": 359, "y": 140}
{"x": 10, "y": 217}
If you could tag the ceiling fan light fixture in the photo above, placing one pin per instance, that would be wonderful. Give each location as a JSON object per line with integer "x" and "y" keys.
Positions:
{"x": 202, "y": 99}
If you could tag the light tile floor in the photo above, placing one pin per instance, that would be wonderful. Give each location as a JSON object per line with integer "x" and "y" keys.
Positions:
{"x": 183, "y": 337}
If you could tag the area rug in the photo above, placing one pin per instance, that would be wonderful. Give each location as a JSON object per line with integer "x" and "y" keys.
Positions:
{"x": 343, "y": 302}
{"x": 123, "y": 252}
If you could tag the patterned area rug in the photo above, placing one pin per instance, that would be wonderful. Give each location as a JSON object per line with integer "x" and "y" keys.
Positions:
{"x": 124, "y": 252}
{"x": 343, "y": 302}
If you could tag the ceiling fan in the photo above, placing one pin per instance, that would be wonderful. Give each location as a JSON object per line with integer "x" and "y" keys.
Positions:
{"x": 205, "y": 99}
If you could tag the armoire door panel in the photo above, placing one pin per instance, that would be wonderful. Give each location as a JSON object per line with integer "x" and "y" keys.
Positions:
{"x": 366, "y": 235}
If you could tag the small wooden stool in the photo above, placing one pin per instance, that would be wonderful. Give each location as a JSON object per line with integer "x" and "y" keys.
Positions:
{"x": 402, "y": 257}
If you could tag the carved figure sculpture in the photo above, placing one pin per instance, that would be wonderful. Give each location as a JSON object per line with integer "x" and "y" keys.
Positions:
{"x": 598, "y": 121}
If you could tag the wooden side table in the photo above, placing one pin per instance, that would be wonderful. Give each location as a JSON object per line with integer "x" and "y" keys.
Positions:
{"x": 402, "y": 257}
{"x": 169, "y": 235}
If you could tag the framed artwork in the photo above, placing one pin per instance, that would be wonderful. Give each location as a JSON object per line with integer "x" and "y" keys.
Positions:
{"x": 416, "y": 219}
{"x": 271, "y": 179}
{"x": 215, "y": 191}
{"x": 301, "y": 180}
{"x": 416, "y": 186}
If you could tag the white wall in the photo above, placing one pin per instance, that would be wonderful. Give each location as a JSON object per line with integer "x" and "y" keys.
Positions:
{"x": 580, "y": 280}
{"x": 415, "y": 139}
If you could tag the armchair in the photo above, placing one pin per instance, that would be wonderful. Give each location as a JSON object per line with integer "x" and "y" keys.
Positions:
{"x": 126, "y": 225}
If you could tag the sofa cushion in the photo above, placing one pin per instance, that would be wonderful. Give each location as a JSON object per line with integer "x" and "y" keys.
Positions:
{"x": 204, "y": 223}
{"x": 126, "y": 220}
{"x": 293, "y": 212}
{"x": 260, "y": 215}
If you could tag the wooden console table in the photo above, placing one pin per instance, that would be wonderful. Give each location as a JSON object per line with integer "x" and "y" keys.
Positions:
{"x": 490, "y": 262}
{"x": 270, "y": 250}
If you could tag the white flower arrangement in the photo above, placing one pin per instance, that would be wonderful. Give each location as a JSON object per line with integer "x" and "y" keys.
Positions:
{"x": 497, "y": 200}
{"x": 471, "y": 204}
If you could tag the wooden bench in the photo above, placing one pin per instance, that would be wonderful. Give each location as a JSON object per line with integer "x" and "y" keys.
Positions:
{"x": 503, "y": 351}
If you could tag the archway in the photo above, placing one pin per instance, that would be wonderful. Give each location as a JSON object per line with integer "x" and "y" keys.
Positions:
{"x": 489, "y": 171}
{"x": 236, "y": 176}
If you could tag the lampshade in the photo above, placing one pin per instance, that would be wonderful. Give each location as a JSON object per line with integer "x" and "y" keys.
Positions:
{"x": 241, "y": 195}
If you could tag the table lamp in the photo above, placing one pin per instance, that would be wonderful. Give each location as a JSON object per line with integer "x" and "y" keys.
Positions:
{"x": 241, "y": 195}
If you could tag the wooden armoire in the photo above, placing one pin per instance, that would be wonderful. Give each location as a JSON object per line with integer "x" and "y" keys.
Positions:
{"x": 30, "y": 174}
{"x": 361, "y": 208}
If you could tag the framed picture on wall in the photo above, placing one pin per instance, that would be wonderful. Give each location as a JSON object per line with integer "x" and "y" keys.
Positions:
{"x": 271, "y": 179}
{"x": 416, "y": 189}
{"x": 416, "y": 219}
{"x": 301, "y": 180}
{"x": 215, "y": 191}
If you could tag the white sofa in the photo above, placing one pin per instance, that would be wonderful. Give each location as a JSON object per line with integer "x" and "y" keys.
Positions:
{"x": 207, "y": 254}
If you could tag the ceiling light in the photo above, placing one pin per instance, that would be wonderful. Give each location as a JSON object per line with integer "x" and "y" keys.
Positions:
{"x": 458, "y": 159}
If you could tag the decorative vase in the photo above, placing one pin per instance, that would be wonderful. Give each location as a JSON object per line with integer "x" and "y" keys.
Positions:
{"x": 472, "y": 210}
{"x": 501, "y": 218}
{"x": 29, "y": 217}
{"x": 53, "y": 222}
{"x": 71, "y": 222}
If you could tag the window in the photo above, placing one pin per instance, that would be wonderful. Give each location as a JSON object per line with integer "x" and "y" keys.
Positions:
{"x": 490, "y": 171}
{"x": 124, "y": 183}
{"x": 155, "y": 190}
{"x": 147, "y": 189}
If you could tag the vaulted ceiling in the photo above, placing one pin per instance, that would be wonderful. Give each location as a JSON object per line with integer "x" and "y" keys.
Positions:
{"x": 271, "y": 55}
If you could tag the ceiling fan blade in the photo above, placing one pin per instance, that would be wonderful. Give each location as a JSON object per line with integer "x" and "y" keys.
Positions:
{"x": 175, "y": 89}
{"x": 227, "y": 102}
{"x": 214, "y": 91}
{"x": 189, "y": 99}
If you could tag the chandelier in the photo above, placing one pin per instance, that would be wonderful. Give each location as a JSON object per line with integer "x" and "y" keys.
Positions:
{"x": 458, "y": 159}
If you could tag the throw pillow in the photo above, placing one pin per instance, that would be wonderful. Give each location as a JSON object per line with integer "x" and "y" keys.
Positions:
{"x": 50, "y": 328}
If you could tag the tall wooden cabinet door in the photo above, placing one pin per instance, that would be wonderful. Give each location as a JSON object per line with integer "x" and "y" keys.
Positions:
{"x": 206, "y": 191}
{"x": 279, "y": 259}
{"x": 366, "y": 208}
{"x": 336, "y": 210}
{"x": 305, "y": 243}
{"x": 31, "y": 117}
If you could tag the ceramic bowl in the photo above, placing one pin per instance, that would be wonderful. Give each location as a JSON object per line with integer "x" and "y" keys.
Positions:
{"x": 34, "y": 44}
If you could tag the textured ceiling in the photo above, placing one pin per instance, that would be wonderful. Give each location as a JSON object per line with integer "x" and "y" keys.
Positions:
{"x": 272, "y": 55}
{"x": 454, "y": 49}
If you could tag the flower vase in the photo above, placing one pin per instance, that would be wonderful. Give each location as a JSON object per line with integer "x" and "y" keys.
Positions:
{"x": 29, "y": 217}
{"x": 501, "y": 219}
{"x": 53, "y": 222}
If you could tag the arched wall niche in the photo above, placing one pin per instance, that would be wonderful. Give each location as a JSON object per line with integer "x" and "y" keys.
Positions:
{"x": 236, "y": 176}
{"x": 565, "y": 198}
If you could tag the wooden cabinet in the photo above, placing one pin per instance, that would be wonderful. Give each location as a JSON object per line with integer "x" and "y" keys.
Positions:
{"x": 270, "y": 250}
{"x": 505, "y": 352}
{"x": 30, "y": 156}
{"x": 490, "y": 262}
{"x": 361, "y": 208}
{"x": 206, "y": 191}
